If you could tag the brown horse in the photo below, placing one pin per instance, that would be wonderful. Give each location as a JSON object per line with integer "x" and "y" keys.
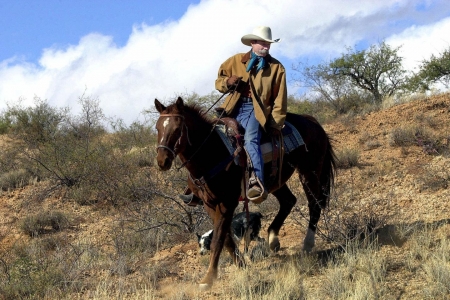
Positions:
{"x": 185, "y": 132}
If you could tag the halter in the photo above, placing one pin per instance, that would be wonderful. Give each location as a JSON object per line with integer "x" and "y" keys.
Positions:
{"x": 178, "y": 142}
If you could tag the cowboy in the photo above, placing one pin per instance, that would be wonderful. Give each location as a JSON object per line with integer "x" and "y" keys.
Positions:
{"x": 258, "y": 101}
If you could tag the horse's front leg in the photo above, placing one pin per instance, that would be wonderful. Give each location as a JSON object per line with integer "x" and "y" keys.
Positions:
{"x": 222, "y": 217}
{"x": 287, "y": 201}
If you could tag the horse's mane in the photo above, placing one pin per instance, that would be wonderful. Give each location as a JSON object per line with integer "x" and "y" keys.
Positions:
{"x": 311, "y": 118}
{"x": 194, "y": 109}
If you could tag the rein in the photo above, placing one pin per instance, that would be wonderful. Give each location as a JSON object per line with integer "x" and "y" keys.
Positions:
{"x": 230, "y": 89}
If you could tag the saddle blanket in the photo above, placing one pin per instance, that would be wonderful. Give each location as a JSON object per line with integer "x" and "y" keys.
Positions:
{"x": 291, "y": 139}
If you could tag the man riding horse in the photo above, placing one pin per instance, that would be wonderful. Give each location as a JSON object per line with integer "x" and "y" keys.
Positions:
{"x": 258, "y": 102}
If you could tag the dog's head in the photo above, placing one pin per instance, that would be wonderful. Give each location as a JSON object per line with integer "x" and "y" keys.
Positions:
{"x": 204, "y": 242}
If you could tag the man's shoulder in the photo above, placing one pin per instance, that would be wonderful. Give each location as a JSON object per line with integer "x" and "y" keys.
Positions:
{"x": 274, "y": 60}
{"x": 236, "y": 57}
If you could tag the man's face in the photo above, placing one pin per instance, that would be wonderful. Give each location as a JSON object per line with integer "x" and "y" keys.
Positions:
{"x": 261, "y": 48}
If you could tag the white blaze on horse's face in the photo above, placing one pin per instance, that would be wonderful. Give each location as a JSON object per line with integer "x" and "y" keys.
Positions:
{"x": 165, "y": 123}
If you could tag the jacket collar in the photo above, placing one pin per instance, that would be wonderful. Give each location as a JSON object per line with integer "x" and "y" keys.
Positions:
{"x": 246, "y": 57}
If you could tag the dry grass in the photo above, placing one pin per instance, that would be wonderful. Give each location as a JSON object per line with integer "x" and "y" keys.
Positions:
{"x": 358, "y": 273}
{"x": 107, "y": 247}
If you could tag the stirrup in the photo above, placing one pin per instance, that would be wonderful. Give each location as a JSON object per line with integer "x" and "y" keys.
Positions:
{"x": 256, "y": 192}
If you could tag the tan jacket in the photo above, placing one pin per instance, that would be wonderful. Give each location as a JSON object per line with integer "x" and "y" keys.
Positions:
{"x": 270, "y": 87}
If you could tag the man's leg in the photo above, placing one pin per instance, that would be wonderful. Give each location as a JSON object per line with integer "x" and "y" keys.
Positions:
{"x": 189, "y": 197}
{"x": 252, "y": 137}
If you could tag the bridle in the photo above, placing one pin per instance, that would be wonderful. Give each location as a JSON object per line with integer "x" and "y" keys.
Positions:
{"x": 178, "y": 142}
{"x": 231, "y": 89}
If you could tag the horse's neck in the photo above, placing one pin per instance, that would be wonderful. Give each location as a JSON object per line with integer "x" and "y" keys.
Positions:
{"x": 203, "y": 141}
{"x": 199, "y": 134}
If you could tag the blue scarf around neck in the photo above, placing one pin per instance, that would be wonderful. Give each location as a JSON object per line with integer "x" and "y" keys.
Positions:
{"x": 255, "y": 59}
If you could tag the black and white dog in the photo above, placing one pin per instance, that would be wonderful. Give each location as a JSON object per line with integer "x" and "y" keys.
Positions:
{"x": 240, "y": 229}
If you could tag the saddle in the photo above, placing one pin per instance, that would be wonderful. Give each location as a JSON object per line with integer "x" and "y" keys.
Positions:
{"x": 234, "y": 140}
{"x": 231, "y": 134}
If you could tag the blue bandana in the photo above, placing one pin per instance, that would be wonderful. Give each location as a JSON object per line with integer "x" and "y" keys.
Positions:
{"x": 255, "y": 59}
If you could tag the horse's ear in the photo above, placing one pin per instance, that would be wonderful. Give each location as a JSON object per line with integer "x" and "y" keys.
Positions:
{"x": 159, "y": 106}
{"x": 180, "y": 104}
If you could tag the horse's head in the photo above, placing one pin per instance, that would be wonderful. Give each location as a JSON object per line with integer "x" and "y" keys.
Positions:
{"x": 172, "y": 135}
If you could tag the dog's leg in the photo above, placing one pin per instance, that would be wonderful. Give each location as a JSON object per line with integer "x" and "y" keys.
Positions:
{"x": 247, "y": 239}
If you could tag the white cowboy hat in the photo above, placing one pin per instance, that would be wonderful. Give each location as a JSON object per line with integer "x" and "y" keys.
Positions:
{"x": 260, "y": 33}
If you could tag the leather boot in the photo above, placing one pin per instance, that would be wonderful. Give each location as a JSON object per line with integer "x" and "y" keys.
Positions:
{"x": 186, "y": 198}
{"x": 191, "y": 199}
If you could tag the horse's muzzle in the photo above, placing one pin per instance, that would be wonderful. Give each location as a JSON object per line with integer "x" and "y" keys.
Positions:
{"x": 163, "y": 160}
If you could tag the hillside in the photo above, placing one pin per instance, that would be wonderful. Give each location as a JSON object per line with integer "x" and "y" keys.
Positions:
{"x": 398, "y": 173}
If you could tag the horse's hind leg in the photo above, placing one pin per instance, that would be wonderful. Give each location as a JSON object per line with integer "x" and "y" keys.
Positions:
{"x": 287, "y": 201}
{"x": 316, "y": 201}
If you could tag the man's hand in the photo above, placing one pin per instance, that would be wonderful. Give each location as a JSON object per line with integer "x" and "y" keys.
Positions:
{"x": 233, "y": 80}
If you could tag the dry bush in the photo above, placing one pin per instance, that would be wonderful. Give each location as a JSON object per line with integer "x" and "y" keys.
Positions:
{"x": 347, "y": 158}
{"x": 33, "y": 271}
{"x": 427, "y": 120}
{"x": 350, "y": 220}
{"x": 418, "y": 136}
{"x": 436, "y": 175}
{"x": 45, "y": 222}
{"x": 368, "y": 141}
{"x": 369, "y": 145}
{"x": 401, "y": 98}
{"x": 15, "y": 179}
{"x": 381, "y": 168}
{"x": 434, "y": 182}
{"x": 348, "y": 121}
{"x": 405, "y": 136}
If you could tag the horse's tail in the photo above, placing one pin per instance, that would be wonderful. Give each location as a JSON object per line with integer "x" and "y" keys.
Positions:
{"x": 328, "y": 174}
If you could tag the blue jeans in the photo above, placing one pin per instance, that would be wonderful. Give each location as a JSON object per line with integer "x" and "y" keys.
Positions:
{"x": 245, "y": 115}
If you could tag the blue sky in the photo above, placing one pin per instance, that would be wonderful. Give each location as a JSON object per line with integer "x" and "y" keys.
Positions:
{"x": 126, "y": 53}
{"x": 29, "y": 26}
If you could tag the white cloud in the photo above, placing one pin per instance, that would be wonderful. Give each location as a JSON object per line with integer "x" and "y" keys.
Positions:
{"x": 420, "y": 42}
{"x": 183, "y": 56}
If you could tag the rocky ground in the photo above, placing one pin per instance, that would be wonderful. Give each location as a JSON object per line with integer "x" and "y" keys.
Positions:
{"x": 406, "y": 184}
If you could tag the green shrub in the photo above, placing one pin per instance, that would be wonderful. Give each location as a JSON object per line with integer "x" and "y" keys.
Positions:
{"x": 4, "y": 124}
{"x": 30, "y": 274}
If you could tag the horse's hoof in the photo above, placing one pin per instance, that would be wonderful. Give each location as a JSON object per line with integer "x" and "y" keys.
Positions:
{"x": 274, "y": 244}
{"x": 309, "y": 242}
{"x": 308, "y": 247}
{"x": 204, "y": 287}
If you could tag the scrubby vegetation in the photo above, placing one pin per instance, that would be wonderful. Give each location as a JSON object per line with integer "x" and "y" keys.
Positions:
{"x": 93, "y": 218}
